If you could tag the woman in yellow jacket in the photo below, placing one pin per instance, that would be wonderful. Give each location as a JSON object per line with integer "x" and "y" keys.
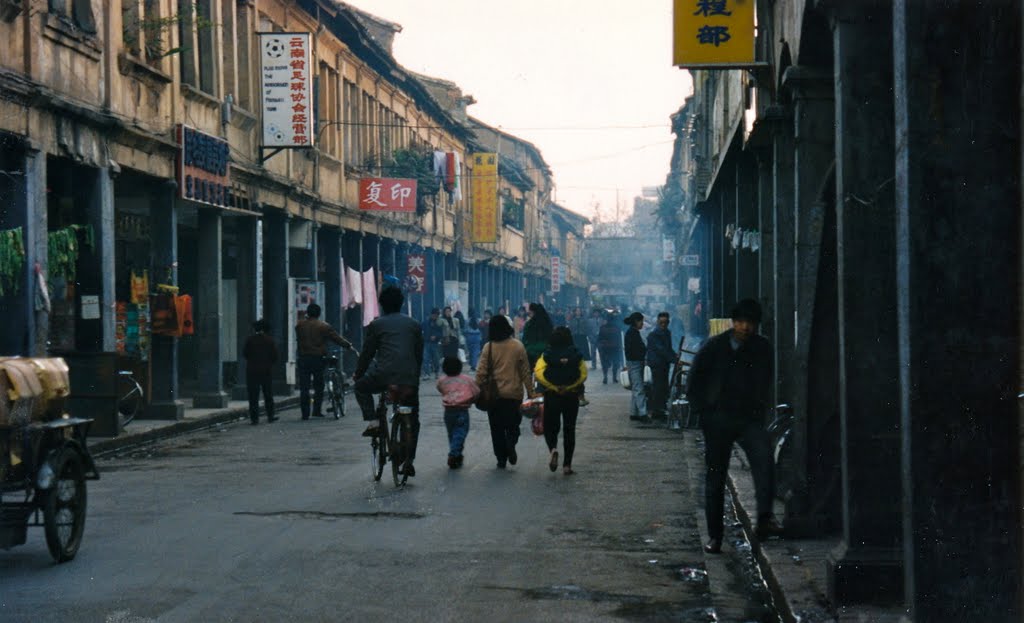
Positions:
{"x": 561, "y": 371}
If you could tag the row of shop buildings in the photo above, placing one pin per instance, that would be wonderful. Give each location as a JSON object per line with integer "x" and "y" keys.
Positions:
{"x": 135, "y": 178}
{"x": 862, "y": 179}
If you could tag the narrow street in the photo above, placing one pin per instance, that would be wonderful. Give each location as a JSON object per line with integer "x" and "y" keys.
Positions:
{"x": 283, "y": 522}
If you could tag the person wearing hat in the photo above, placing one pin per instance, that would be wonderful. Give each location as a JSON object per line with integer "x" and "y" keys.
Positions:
{"x": 730, "y": 386}
{"x": 636, "y": 359}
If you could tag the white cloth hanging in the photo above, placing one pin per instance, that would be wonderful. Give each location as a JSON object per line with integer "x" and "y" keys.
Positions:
{"x": 355, "y": 287}
{"x": 370, "y": 308}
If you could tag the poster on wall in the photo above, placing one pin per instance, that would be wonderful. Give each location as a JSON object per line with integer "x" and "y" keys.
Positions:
{"x": 484, "y": 197}
{"x": 286, "y": 89}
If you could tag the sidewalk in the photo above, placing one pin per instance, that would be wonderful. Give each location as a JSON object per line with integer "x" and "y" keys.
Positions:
{"x": 795, "y": 569}
{"x": 142, "y": 431}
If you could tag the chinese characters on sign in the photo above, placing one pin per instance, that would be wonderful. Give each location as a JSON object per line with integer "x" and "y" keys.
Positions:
{"x": 203, "y": 174}
{"x": 713, "y": 32}
{"x": 485, "y": 197}
{"x": 387, "y": 194}
{"x": 416, "y": 273}
{"x": 286, "y": 89}
{"x": 668, "y": 250}
{"x": 556, "y": 273}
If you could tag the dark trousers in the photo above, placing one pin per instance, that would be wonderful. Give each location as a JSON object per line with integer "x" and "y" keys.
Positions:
{"x": 659, "y": 390}
{"x": 311, "y": 372}
{"x": 720, "y": 433}
{"x": 560, "y": 411}
{"x": 431, "y": 358}
{"x": 254, "y": 383}
{"x": 611, "y": 360}
{"x": 504, "y": 419}
{"x": 368, "y": 386}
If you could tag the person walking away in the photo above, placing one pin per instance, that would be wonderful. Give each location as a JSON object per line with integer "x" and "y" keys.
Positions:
{"x": 578, "y": 327}
{"x": 504, "y": 360}
{"x": 593, "y": 330}
{"x": 609, "y": 343}
{"x": 536, "y": 332}
{"x": 636, "y": 359}
{"x": 260, "y": 352}
{"x": 432, "y": 345}
{"x": 458, "y": 392}
{"x": 472, "y": 336}
{"x": 392, "y": 355}
{"x": 313, "y": 335}
{"x": 730, "y": 387}
{"x": 450, "y": 332}
{"x": 561, "y": 371}
{"x": 661, "y": 357}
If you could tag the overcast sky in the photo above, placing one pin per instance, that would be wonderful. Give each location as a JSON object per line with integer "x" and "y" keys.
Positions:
{"x": 589, "y": 82}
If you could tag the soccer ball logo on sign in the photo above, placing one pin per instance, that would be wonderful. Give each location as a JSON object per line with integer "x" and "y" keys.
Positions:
{"x": 274, "y": 48}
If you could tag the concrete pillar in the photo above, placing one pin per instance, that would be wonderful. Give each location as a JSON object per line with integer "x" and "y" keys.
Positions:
{"x": 866, "y": 567}
{"x": 765, "y": 224}
{"x": 209, "y": 302}
{"x": 275, "y": 290}
{"x": 957, "y": 85}
{"x": 782, "y": 249}
{"x": 813, "y": 366}
{"x": 105, "y": 246}
{"x": 329, "y": 250}
{"x": 163, "y": 212}
{"x": 247, "y": 312}
{"x": 34, "y": 234}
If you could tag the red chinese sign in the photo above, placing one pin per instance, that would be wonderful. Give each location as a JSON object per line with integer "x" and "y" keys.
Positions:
{"x": 387, "y": 194}
{"x": 416, "y": 273}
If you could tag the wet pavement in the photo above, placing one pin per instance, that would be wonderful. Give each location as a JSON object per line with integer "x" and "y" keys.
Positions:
{"x": 282, "y": 521}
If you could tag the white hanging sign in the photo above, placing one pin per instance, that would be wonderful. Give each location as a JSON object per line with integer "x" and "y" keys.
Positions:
{"x": 286, "y": 89}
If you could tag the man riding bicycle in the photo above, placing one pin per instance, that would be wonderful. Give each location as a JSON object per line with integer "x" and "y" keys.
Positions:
{"x": 392, "y": 356}
{"x": 313, "y": 335}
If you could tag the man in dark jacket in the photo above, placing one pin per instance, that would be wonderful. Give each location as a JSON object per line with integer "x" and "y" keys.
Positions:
{"x": 260, "y": 354}
{"x": 313, "y": 335}
{"x": 660, "y": 356}
{"x": 432, "y": 333}
{"x": 392, "y": 355}
{"x": 636, "y": 359}
{"x": 730, "y": 387}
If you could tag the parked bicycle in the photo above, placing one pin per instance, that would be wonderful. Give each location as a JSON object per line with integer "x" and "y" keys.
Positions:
{"x": 392, "y": 443}
{"x": 335, "y": 386}
{"x": 130, "y": 396}
{"x": 780, "y": 433}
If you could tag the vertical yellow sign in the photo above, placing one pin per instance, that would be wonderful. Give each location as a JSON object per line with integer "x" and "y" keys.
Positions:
{"x": 485, "y": 197}
{"x": 709, "y": 33}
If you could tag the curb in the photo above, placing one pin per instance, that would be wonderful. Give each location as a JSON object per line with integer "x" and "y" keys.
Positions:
{"x": 180, "y": 427}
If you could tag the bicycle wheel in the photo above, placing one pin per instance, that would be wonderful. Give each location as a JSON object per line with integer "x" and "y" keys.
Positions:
{"x": 337, "y": 396}
{"x": 378, "y": 455}
{"x": 64, "y": 507}
{"x": 399, "y": 449}
{"x": 131, "y": 400}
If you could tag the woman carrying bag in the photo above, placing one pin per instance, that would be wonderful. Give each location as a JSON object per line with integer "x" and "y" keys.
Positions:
{"x": 561, "y": 371}
{"x": 503, "y": 374}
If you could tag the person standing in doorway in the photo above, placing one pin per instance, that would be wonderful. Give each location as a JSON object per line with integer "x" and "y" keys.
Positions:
{"x": 260, "y": 352}
{"x": 313, "y": 335}
{"x": 661, "y": 357}
{"x": 504, "y": 360}
{"x": 636, "y": 359}
{"x": 730, "y": 387}
{"x": 432, "y": 334}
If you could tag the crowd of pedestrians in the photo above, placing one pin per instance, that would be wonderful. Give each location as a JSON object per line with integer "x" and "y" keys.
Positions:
{"x": 536, "y": 353}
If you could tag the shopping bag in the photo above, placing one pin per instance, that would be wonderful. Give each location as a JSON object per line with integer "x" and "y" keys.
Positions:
{"x": 624, "y": 379}
{"x": 537, "y": 424}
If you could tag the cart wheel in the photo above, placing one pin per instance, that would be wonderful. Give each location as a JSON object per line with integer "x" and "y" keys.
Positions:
{"x": 64, "y": 507}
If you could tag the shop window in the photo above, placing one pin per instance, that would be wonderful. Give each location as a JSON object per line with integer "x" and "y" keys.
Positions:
{"x": 244, "y": 44}
{"x": 197, "y": 48}
{"x": 75, "y": 12}
{"x": 353, "y": 129}
{"x": 328, "y": 111}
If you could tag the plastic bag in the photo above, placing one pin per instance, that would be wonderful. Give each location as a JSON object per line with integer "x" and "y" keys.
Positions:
{"x": 537, "y": 424}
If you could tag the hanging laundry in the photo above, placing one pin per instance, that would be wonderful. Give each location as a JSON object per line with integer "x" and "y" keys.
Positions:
{"x": 440, "y": 165}
{"x": 354, "y": 282}
{"x": 457, "y": 193}
{"x": 737, "y": 238}
{"x": 346, "y": 292}
{"x": 449, "y": 172}
{"x": 370, "y": 308}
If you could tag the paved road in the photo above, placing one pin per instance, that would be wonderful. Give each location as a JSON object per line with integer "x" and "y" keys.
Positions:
{"x": 282, "y": 522}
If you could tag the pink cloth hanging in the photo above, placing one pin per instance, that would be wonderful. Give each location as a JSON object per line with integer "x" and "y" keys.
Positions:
{"x": 370, "y": 307}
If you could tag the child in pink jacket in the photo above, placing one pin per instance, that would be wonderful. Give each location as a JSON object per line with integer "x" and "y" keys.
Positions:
{"x": 458, "y": 393}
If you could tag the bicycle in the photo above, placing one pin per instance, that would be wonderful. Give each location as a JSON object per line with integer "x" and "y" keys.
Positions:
{"x": 393, "y": 447}
{"x": 335, "y": 386}
{"x": 131, "y": 397}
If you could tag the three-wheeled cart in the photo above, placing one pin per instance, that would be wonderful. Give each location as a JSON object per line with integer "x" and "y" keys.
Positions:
{"x": 43, "y": 469}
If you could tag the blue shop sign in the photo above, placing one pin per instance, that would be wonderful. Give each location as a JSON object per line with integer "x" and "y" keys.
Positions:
{"x": 203, "y": 171}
